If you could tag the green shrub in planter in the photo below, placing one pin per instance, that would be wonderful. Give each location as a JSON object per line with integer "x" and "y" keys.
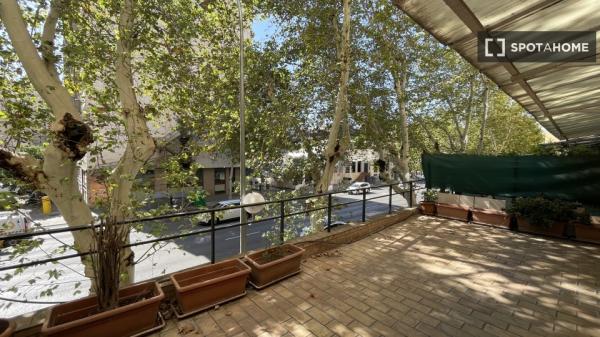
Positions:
{"x": 430, "y": 196}
{"x": 582, "y": 215}
{"x": 540, "y": 211}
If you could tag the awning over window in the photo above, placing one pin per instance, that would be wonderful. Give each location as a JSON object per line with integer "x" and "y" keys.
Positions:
{"x": 563, "y": 97}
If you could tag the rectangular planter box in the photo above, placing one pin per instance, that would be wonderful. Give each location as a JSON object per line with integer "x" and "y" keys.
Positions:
{"x": 6, "y": 328}
{"x": 557, "y": 229}
{"x": 453, "y": 211}
{"x": 587, "y": 233}
{"x": 491, "y": 217}
{"x": 427, "y": 208}
{"x": 80, "y": 318}
{"x": 204, "y": 287}
{"x": 274, "y": 264}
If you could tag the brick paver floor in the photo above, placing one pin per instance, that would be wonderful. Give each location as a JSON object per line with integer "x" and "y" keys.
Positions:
{"x": 424, "y": 277}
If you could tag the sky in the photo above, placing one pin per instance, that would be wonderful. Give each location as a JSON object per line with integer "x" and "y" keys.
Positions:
{"x": 263, "y": 29}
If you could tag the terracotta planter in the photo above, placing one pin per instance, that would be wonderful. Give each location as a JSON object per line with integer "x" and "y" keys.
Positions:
{"x": 587, "y": 233}
{"x": 204, "y": 287}
{"x": 427, "y": 207}
{"x": 556, "y": 230}
{"x": 491, "y": 217}
{"x": 6, "y": 328}
{"x": 457, "y": 212}
{"x": 274, "y": 264}
{"x": 79, "y": 318}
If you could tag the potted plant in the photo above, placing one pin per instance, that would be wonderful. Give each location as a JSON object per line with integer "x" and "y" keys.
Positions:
{"x": 274, "y": 264}
{"x": 453, "y": 206}
{"x": 111, "y": 311}
{"x": 204, "y": 287}
{"x": 427, "y": 206}
{"x": 489, "y": 211}
{"x": 539, "y": 215}
{"x": 6, "y": 328}
{"x": 585, "y": 229}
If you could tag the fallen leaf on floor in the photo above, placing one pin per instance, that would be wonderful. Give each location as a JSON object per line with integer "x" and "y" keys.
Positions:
{"x": 186, "y": 328}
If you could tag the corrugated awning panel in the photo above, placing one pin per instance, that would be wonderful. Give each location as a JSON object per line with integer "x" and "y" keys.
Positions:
{"x": 564, "y": 98}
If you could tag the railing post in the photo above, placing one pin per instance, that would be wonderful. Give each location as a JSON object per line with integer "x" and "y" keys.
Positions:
{"x": 390, "y": 202}
{"x": 212, "y": 237}
{"x": 410, "y": 201}
{"x": 329, "y": 212}
{"x": 364, "y": 205}
{"x": 281, "y": 221}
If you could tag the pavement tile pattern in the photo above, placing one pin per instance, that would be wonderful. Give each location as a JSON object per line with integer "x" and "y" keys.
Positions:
{"x": 425, "y": 276}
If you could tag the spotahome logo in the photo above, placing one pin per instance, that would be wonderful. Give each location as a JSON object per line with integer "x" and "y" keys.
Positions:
{"x": 534, "y": 46}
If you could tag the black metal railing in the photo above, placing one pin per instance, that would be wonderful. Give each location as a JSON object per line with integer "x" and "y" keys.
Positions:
{"x": 408, "y": 193}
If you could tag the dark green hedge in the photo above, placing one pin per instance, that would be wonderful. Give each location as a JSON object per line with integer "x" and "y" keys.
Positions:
{"x": 568, "y": 178}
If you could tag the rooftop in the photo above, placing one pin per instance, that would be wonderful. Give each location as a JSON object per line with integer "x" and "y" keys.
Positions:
{"x": 425, "y": 276}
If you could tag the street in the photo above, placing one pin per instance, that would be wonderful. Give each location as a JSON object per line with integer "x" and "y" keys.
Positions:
{"x": 66, "y": 279}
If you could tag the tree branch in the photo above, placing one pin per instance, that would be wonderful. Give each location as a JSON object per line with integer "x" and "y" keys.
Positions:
{"x": 465, "y": 135}
{"x": 24, "y": 168}
{"x": 140, "y": 144}
{"x": 49, "y": 87}
{"x": 49, "y": 35}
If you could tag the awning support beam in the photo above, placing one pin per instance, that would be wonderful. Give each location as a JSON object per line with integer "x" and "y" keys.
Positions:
{"x": 465, "y": 14}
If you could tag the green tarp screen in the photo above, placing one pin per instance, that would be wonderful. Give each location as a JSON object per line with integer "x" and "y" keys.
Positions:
{"x": 568, "y": 178}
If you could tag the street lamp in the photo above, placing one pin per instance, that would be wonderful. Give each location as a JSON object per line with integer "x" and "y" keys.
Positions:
{"x": 243, "y": 217}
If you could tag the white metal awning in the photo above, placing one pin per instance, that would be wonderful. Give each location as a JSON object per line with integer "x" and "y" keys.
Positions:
{"x": 563, "y": 97}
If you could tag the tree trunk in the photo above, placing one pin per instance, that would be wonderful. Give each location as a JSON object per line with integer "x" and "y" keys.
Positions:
{"x": 387, "y": 178}
{"x": 140, "y": 144}
{"x": 56, "y": 175}
{"x": 403, "y": 155}
{"x": 465, "y": 134}
{"x": 339, "y": 137}
{"x": 231, "y": 176}
{"x": 486, "y": 97}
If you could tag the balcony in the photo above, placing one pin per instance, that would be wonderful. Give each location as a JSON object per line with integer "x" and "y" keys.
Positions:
{"x": 424, "y": 276}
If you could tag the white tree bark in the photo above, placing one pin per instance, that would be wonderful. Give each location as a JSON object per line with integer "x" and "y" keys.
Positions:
{"x": 56, "y": 175}
{"x": 486, "y": 97}
{"x": 140, "y": 144}
{"x": 403, "y": 153}
{"x": 465, "y": 136}
{"x": 339, "y": 137}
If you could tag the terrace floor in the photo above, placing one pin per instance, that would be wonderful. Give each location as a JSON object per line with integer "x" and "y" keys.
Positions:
{"x": 424, "y": 277}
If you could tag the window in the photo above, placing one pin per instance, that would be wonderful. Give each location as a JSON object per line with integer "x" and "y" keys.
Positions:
{"x": 347, "y": 169}
{"x": 220, "y": 180}
{"x": 219, "y": 176}
{"x": 359, "y": 166}
{"x": 200, "y": 176}
{"x": 367, "y": 167}
{"x": 353, "y": 166}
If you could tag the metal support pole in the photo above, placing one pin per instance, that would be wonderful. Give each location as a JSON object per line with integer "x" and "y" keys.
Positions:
{"x": 410, "y": 201}
{"x": 329, "y": 212}
{"x": 364, "y": 205}
{"x": 212, "y": 237}
{"x": 243, "y": 217}
{"x": 390, "y": 203}
{"x": 281, "y": 221}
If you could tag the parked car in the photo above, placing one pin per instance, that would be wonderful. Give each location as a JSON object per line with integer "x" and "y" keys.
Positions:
{"x": 335, "y": 223}
{"x": 358, "y": 187}
{"x": 221, "y": 214}
{"x": 14, "y": 222}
